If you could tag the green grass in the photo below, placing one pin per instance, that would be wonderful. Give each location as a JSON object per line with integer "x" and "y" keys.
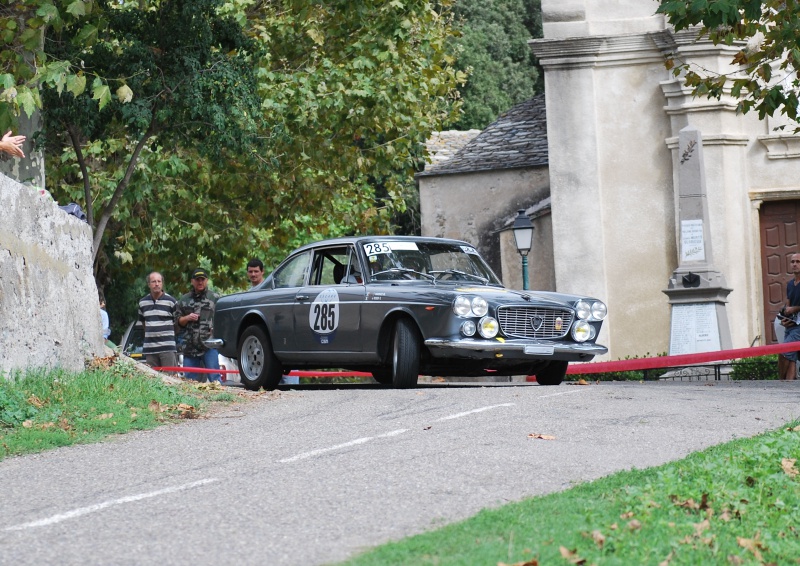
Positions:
{"x": 737, "y": 503}
{"x": 42, "y": 409}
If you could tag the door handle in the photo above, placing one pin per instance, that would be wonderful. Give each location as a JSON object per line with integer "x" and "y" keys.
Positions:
{"x": 302, "y": 297}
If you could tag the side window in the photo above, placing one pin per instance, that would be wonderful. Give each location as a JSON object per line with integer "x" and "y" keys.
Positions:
{"x": 329, "y": 266}
{"x": 293, "y": 272}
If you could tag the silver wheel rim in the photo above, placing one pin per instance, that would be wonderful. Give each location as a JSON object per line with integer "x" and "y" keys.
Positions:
{"x": 252, "y": 360}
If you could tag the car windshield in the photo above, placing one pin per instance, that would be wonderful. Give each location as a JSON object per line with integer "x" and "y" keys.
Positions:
{"x": 431, "y": 261}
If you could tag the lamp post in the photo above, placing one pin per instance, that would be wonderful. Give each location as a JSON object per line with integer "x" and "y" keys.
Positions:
{"x": 523, "y": 234}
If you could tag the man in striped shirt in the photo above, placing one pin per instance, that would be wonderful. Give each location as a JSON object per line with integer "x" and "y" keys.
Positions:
{"x": 157, "y": 314}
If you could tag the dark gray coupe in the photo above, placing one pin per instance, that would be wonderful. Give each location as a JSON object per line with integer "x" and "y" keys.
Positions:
{"x": 397, "y": 307}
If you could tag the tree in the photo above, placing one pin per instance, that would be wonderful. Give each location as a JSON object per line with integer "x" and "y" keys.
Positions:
{"x": 347, "y": 91}
{"x": 766, "y": 33}
{"x": 495, "y": 52}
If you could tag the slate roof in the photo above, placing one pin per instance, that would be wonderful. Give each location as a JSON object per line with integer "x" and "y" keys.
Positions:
{"x": 518, "y": 138}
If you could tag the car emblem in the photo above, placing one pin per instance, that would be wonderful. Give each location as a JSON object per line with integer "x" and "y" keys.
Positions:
{"x": 558, "y": 323}
{"x": 536, "y": 322}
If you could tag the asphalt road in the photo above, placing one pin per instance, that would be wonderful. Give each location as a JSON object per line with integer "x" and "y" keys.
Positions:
{"x": 307, "y": 477}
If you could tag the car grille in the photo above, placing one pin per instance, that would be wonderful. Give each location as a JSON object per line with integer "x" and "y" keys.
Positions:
{"x": 518, "y": 321}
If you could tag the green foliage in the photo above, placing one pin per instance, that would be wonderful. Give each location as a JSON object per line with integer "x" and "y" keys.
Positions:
{"x": 494, "y": 51}
{"x": 736, "y": 503}
{"x": 43, "y": 409}
{"x": 634, "y": 375}
{"x": 765, "y": 77}
{"x": 762, "y": 367}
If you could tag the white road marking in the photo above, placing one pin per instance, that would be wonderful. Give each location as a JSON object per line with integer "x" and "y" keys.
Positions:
{"x": 578, "y": 390}
{"x": 355, "y": 442}
{"x": 473, "y": 411}
{"x": 92, "y": 508}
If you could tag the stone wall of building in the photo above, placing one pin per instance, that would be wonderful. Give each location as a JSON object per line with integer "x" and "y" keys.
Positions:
{"x": 49, "y": 306}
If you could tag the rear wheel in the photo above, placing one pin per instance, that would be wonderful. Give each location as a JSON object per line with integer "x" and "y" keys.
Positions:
{"x": 552, "y": 374}
{"x": 406, "y": 345}
{"x": 258, "y": 365}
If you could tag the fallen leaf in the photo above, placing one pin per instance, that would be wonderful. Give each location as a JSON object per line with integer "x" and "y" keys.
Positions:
{"x": 794, "y": 429}
{"x": 700, "y": 527}
{"x": 667, "y": 560}
{"x": 104, "y": 416}
{"x": 427, "y": 428}
{"x": 582, "y": 382}
{"x": 788, "y": 466}
{"x": 45, "y": 426}
{"x": 571, "y": 555}
{"x": 532, "y": 562}
{"x": 156, "y": 407}
{"x": 613, "y": 527}
{"x": 733, "y": 559}
{"x": 752, "y": 544}
{"x": 598, "y": 539}
{"x": 35, "y": 401}
{"x": 541, "y": 436}
{"x": 634, "y": 525}
{"x": 27, "y": 424}
{"x": 627, "y": 515}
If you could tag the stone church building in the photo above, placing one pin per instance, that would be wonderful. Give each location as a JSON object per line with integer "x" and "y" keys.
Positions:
{"x": 622, "y": 175}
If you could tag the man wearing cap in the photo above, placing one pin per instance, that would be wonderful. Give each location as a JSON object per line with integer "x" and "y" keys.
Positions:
{"x": 195, "y": 314}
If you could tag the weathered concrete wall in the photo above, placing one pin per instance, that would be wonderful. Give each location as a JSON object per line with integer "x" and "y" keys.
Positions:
{"x": 49, "y": 307}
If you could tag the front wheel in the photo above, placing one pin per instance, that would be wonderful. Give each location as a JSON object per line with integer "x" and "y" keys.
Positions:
{"x": 552, "y": 374}
{"x": 406, "y": 346}
{"x": 258, "y": 365}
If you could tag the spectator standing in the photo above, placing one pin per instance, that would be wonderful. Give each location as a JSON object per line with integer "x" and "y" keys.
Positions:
{"x": 12, "y": 145}
{"x": 195, "y": 314}
{"x": 157, "y": 315}
{"x": 787, "y": 363}
{"x": 255, "y": 272}
{"x": 104, "y": 319}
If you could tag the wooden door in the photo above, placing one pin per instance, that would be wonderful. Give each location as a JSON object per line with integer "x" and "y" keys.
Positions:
{"x": 779, "y": 222}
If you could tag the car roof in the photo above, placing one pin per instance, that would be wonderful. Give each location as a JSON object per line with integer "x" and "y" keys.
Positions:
{"x": 354, "y": 240}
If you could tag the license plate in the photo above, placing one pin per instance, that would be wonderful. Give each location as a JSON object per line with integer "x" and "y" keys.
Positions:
{"x": 539, "y": 350}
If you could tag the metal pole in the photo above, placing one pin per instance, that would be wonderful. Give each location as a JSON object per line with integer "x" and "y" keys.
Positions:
{"x": 524, "y": 273}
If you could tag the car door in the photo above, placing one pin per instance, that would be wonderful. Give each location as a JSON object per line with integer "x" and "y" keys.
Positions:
{"x": 327, "y": 312}
{"x": 277, "y": 303}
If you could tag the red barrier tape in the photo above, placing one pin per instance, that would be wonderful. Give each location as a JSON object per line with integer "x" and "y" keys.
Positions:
{"x": 681, "y": 360}
{"x": 573, "y": 369}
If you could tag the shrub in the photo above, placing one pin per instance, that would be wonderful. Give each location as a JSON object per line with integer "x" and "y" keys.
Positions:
{"x": 761, "y": 367}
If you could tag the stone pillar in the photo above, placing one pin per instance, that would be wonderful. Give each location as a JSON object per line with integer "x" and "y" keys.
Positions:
{"x": 697, "y": 291}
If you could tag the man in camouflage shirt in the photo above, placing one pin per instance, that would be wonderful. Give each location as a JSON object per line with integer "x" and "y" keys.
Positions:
{"x": 195, "y": 314}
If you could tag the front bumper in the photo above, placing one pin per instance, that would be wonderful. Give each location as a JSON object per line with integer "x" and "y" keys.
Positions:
{"x": 513, "y": 349}
{"x": 214, "y": 343}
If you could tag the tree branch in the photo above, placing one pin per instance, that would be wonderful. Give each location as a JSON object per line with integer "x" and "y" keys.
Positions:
{"x": 87, "y": 189}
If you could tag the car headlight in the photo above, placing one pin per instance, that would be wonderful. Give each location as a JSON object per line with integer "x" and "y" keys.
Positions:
{"x": 488, "y": 327}
{"x": 468, "y": 328}
{"x": 582, "y": 331}
{"x": 462, "y": 306}
{"x": 479, "y": 306}
{"x": 583, "y": 310}
{"x": 599, "y": 310}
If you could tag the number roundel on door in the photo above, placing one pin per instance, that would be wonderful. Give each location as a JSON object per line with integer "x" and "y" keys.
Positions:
{"x": 323, "y": 317}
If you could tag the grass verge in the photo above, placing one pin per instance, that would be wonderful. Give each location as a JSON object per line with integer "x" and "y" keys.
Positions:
{"x": 737, "y": 503}
{"x": 42, "y": 409}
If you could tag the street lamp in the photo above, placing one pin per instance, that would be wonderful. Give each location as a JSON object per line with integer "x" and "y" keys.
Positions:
{"x": 523, "y": 234}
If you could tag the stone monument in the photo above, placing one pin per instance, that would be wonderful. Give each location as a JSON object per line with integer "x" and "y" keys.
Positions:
{"x": 696, "y": 291}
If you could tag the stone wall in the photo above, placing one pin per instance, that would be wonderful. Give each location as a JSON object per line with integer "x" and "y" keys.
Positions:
{"x": 49, "y": 307}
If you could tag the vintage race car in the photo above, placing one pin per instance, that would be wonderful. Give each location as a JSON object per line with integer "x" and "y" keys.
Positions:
{"x": 399, "y": 307}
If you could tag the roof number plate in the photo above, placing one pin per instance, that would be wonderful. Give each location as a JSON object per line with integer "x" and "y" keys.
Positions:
{"x": 539, "y": 350}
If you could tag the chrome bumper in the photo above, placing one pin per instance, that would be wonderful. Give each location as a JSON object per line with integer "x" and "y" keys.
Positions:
{"x": 213, "y": 343}
{"x": 534, "y": 348}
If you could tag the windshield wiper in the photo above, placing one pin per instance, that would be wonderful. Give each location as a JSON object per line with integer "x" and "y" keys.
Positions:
{"x": 483, "y": 280}
{"x": 404, "y": 270}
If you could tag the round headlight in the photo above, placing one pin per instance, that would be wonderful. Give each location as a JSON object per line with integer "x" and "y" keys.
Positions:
{"x": 583, "y": 310}
{"x": 599, "y": 310}
{"x": 479, "y": 306}
{"x": 468, "y": 328}
{"x": 581, "y": 331}
{"x": 462, "y": 306}
{"x": 488, "y": 327}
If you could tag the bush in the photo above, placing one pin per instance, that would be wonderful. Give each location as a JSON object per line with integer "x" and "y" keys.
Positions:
{"x": 761, "y": 367}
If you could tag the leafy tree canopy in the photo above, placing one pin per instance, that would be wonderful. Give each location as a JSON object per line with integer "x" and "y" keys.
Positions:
{"x": 494, "y": 51}
{"x": 210, "y": 131}
{"x": 767, "y": 34}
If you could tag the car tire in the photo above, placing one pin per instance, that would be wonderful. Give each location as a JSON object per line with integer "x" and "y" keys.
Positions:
{"x": 406, "y": 344}
{"x": 552, "y": 374}
{"x": 258, "y": 365}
